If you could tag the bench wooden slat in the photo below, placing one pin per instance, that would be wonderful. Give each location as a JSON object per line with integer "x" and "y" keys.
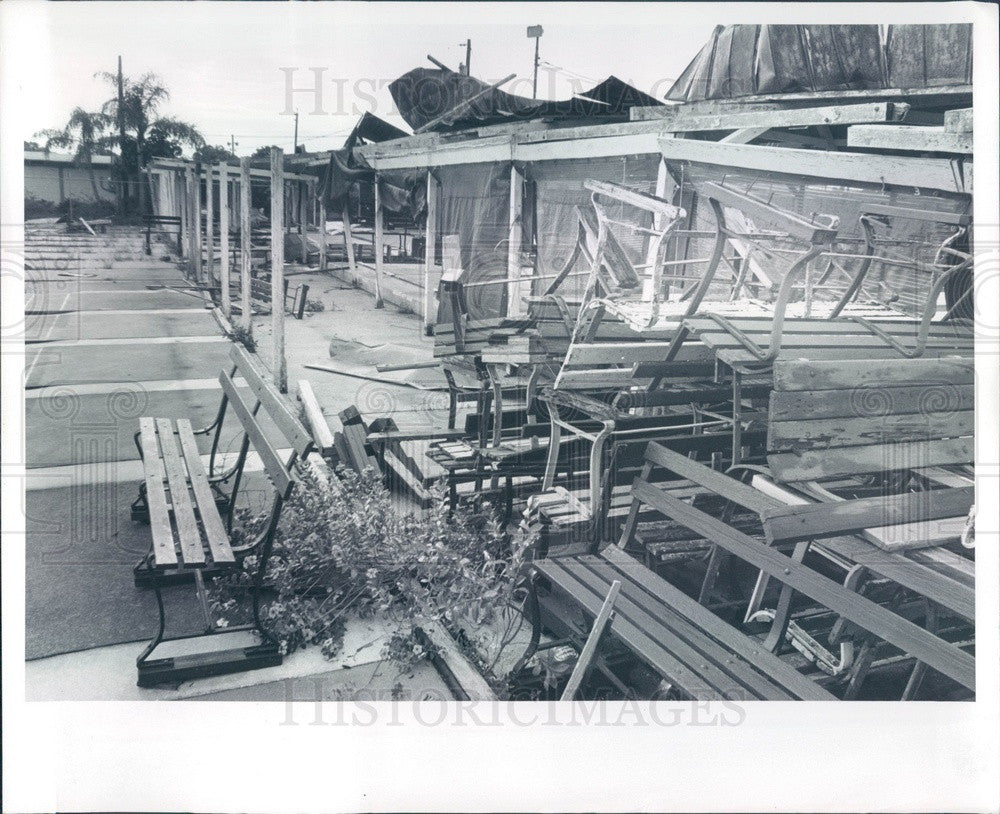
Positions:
{"x": 273, "y": 465}
{"x": 649, "y": 609}
{"x": 832, "y": 433}
{"x": 828, "y": 463}
{"x": 296, "y": 435}
{"x": 215, "y": 530}
{"x": 834, "y": 353}
{"x": 164, "y": 552}
{"x": 818, "y": 520}
{"x": 672, "y": 668}
{"x": 917, "y": 642}
{"x": 924, "y": 399}
{"x": 790, "y": 678}
{"x": 855, "y": 373}
{"x": 718, "y": 340}
{"x": 189, "y": 536}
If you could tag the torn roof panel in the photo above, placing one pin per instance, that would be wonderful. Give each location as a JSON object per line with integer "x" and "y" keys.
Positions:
{"x": 426, "y": 94}
{"x": 747, "y": 60}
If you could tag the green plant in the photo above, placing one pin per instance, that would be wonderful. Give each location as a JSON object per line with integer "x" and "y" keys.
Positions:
{"x": 314, "y": 305}
{"x": 341, "y": 549}
{"x": 245, "y": 337}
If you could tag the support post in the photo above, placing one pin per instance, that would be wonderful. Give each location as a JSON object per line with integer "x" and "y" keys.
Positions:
{"x": 589, "y": 650}
{"x": 224, "y": 237}
{"x": 430, "y": 241}
{"x": 183, "y": 204}
{"x": 379, "y": 247}
{"x": 245, "y": 246}
{"x": 514, "y": 238}
{"x": 349, "y": 239}
{"x": 301, "y": 206}
{"x": 194, "y": 176}
{"x": 209, "y": 226}
{"x": 322, "y": 234}
{"x": 278, "y": 367}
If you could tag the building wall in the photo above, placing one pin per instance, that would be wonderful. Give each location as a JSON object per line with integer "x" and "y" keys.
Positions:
{"x": 57, "y": 182}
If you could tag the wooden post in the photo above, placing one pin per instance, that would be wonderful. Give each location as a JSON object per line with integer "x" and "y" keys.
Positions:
{"x": 194, "y": 175}
{"x": 593, "y": 640}
{"x": 301, "y": 206}
{"x": 224, "y": 237}
{"x": 245, "y": 246}
{"x": 349, "y": 239}
{"x": 430, "y": 240}
{"x": 278, "y": 366}
{"x": 184, "y": 204}
{"x": 379, "y": 247}
{"x": 322, "y": 234}
{"x": 514, "y": 238}
{"x": 209, "y": 226}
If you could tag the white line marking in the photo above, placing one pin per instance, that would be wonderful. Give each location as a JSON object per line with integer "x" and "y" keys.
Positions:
{"x": 130, "y": 340}
{"x": 28, "y": 371}
{"x": 102, "y": 388}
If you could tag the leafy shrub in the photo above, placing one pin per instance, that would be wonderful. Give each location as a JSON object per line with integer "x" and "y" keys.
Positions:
{"x": 245, "y": 337}
{"x": 341, "y": 548}
{"x": 314, "y": 305}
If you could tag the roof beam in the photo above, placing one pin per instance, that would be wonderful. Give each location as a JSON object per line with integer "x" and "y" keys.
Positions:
{"x": 680, "y": 120}
{"x": 915, "y": 139}
{"x": 927, "y": 173}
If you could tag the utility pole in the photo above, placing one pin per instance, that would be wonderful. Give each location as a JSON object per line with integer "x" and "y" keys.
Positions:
{"x": 535, "y": 31}
{"x": 232, "y": 143}
{"x": 468, "y": 57}
{"x": 123, "y": 192}
{"x": 295, "y": 144}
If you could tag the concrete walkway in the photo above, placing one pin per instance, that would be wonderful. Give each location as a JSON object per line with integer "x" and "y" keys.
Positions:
{"x": 112, "y": 336}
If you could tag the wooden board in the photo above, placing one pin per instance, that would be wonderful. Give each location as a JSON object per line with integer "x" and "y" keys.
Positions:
{"x": 189, "y": 536}
{"x": 215, "y": 530}
{"x": 872, "y": 400}
{"x": 818, "y": 520}
{"x": 833, "y": 433}
{"x": 856, "y": 373}
{"x": 914, "y": 139}
{"x": 321, "y": 433}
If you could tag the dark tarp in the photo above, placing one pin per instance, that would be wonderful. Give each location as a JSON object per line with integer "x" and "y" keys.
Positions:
{"x": 748, "y": 60}
{"x": 424, "y": 94}
{"x": 401, "y": 192}
{"x": 474, "y": 204}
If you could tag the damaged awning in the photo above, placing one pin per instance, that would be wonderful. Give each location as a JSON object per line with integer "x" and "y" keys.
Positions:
{"x": 426, "y": 94}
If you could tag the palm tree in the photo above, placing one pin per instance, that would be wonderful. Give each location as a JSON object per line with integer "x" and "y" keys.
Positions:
{"x": 85, "y": 134}
{"x": 141, "y": 102}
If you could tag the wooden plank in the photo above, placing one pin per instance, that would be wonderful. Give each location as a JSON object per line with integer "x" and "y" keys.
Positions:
{"x": 958, "y": 121}
{"x": 923, "y": 173}
{"x": 164, "y": 552}
{"x": 210, "y": 227}
{"x": 832, "y": 433}
{"x": 741, "y": 358}
{"x": 278, "y": 365}
{"x": 873, "y": 400}
{"x": 679, "y": 120}
{"x": 816, "y": 465}
{"x": 911, "y": 639}
{"x": 322, "y": 435}
{"x": 744, "y": 135}
{"x": 857, "y": 373}
{"x": 590, "y": 646}
{"x": 275, "y": 407}
{"x": 198, "y": 230}
{"x": 818, "y": 520}
{"x": 921, "y": 577}
{"x": 741, "y": 644}
{"x": 272, "y": 462}
{"x": 915, "y": 139}
{"x": 615, "y": 353}
{"x": 215, "y": 530}
{"x": 636, "y": 198}
{"x": 189, "y": 537}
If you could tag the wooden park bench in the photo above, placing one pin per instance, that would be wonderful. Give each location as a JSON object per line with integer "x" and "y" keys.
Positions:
{"x": 190, "y": 535}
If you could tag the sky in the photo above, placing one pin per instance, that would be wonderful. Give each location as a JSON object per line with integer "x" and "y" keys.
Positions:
{"x": 223, "y": 62}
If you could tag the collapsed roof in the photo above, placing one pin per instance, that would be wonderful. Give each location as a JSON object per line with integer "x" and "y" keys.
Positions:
{"x": 424, "y": 95}
{"x": 750, "y": 60}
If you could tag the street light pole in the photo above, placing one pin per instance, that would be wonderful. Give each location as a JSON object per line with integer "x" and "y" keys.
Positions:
{"x": 535, "y": 31}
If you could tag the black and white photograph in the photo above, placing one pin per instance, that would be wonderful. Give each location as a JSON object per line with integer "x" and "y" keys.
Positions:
{"x": 490, "y": 406}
